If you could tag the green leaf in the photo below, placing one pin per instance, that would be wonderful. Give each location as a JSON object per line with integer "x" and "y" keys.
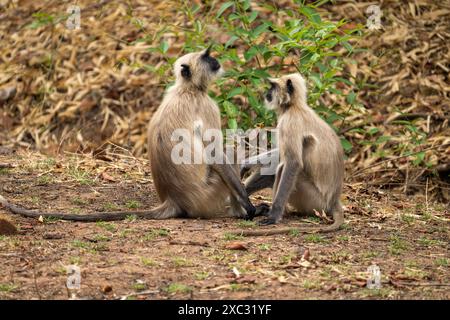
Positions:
{"x": 231, "y": 41}
{"x": 311, "y": 14}
{"x": 346, "y": 81}
{"x": 224, "y": 7}
{"x": 164, "y": 47}
{"x": 246, "y": 5}
{"x": 235, "y": 92}
{"x": 230, "y": 109}
{"x": 347, "y": 46}
{"x": 195, "y": 8}
{"x": 419, "y": 158}
{"x": 233, "y": 17}
{"x": 372, "y": 131}
{"x": 250, "y": 53}
{"x": 346, "y": 145}
{"x": 261, "y": 73}
{"x": 306, "y": 58}
{"x": 252, "y": 16}
{"x": 232, "y": 123}
{"x": 259, "y": 29}
{"x": 316, "y": 80}
{"x": 351, "y": 97}
{"x": 382, "y": 139}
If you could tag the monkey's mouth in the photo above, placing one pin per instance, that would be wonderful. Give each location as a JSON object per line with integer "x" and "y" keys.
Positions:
{"x": 215, "y": 65}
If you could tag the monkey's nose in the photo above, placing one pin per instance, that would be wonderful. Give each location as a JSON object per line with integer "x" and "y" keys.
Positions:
{"x": 215, "y": 66}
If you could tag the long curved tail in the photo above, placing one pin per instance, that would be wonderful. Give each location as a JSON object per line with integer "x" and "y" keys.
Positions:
{"x": 338, "y": 217}
{"x": 165, "y": 210}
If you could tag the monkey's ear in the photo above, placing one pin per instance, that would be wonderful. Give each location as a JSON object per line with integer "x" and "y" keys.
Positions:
{"x": 290, "y": 86}
{"x": 271, "y": 81}
{"x": 185, "y": 71}
{"x": 207, "y": 51}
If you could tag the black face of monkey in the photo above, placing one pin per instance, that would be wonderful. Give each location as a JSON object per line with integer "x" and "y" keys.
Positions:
{"x": 280, "y": 94}
{"x": 285, "y": 92}
{"x": 213, "y": 64}
{"x": 197, "y": 69}
{"x": 269, "y": 94}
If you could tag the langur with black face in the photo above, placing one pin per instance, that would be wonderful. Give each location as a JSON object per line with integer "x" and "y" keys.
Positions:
{"x": 185, "y": 189}
{"x": 310, "y": 174}
{"x": 201, "y": 189}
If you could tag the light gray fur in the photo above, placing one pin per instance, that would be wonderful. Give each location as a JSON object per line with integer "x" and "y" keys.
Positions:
{"x": 311, "y": 170}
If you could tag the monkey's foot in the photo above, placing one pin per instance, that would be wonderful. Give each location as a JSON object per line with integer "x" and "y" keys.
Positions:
{"x": 250, "y": 209}
{"x": 262, "y": 209}
{"x": 267, "y": 222}
{"x": 244, "y": 170}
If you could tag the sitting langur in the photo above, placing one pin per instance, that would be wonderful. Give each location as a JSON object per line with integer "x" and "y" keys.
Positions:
{"x": 185, "y": 190}
{"x": 309, "y": 176}
{"x": 202, "y": 189}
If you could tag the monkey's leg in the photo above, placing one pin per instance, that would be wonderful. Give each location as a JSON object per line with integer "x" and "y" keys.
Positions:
{"x": 235, "y": 209}
{"x": 286, "y": 176}
{"x": 258, "y": 182}
{"x": 231, "y": 180}
{"x": 263, "y": 209}
{"x": 276, "y": 182}
{"x": 338, "y": 219}
{"x": 263, "y": 158}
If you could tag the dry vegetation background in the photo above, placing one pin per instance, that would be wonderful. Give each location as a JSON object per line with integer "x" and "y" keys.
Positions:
{"x": 65, "y": 90}
{"x": 74, "y": 106}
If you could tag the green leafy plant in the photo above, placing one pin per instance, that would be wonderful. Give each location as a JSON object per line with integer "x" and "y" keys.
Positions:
{"x": 258, "y": 47}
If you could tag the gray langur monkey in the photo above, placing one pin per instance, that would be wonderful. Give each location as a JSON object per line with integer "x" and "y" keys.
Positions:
{"x": 310, "y": 174}
{"x": 185, "y": 190}
{"x": 194, "y": 190}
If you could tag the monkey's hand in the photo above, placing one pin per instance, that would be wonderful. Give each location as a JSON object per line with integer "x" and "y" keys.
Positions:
{"x": 262, "y": 209}
{"x": 244, "y": 169}
{"x": 251, "y": 210}
{"x": 272, "y": 218}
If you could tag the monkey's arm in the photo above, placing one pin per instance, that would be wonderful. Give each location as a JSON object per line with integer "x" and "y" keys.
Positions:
{"x": 286, "y": 176}
{"x": 257, "y": 182}
{"x": 263, "y": 158}
{"x": 231, "y": 180}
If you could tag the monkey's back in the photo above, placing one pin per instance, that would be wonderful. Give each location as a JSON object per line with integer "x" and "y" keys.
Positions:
{"x": 189, "y": 185}
{"x": 321, "y": 155}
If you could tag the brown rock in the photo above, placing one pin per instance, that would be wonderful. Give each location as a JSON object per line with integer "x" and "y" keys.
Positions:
{"x": 107, "y": 289}
{"x": 235, "y": 246}
{"x": 7, "y": 227}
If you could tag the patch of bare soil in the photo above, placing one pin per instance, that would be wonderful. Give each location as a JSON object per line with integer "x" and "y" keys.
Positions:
{"x": 407, "y": 238}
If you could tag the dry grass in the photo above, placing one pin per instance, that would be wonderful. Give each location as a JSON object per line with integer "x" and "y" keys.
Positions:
{"x": 88, "y": 91}
{"x": 179, "y": 258}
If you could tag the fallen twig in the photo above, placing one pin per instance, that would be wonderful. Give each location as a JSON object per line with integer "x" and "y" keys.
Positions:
{"x": 6, "y": 165}
{"x": 140, "y": 293}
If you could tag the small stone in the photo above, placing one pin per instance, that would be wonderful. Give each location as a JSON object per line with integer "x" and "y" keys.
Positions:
{"x": 107, "y": 289}
{"x": 52, "y": 235}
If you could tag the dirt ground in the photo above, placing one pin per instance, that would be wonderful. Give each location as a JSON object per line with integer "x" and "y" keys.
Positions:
{"x": 407, "y": 237}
